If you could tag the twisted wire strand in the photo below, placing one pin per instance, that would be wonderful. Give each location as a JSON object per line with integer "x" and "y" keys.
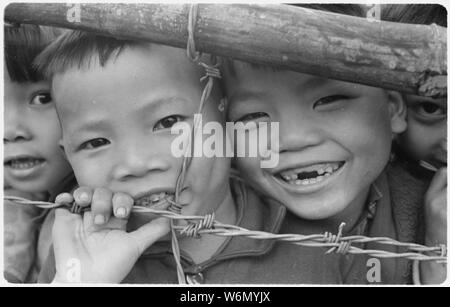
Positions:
{"x": 211, "y": 72}
{"x": 314, "y": 240}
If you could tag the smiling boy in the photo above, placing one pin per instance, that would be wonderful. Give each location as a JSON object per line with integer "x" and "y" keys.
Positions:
{"x": 117, "y": 102}
{"x": 422, "y": 148}
{"x": 335, "y": 143}
{"x": 33, "y": 165}
{"x": 334, "y": 148}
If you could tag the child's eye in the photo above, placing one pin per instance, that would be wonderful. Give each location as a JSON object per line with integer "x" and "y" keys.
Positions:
{"x": 41, "y": 98}
{"x": 167, "y": 122}
{"x": 429, "y": 109}
{"x": 94, "y": 143}
{"x": 329, "y": 99}
{"x": 253, "y": 117}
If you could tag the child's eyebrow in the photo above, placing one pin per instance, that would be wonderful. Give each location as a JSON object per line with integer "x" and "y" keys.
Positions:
{"x": 244, "y": 94}
{"x": 163, "y": 101}
{"x": 313, "y": 83}
{"x": 96, "y": 124}
{"x": 90, "y": 125}
{"x": 413, "y": 99}
{"x": 161, "y": 104}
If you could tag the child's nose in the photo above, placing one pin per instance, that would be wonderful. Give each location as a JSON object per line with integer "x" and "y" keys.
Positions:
{"x": 298, "y": 132}
{"x": 16, "y": 129}
{"x": 137, "y": 160}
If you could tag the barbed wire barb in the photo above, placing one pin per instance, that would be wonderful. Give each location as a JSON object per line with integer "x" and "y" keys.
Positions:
{"x": 340, "y": 244}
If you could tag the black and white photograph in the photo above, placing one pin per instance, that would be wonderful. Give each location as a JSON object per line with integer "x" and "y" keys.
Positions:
{"x": 213, "y": 144}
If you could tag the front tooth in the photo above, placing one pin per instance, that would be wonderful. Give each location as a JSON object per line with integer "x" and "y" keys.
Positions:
{"x": 305, "y": 182}
{"x": 298, "y": 182}
{"x": 312, "y": 180}
{"x": 287, "y": 174}
{"x": 319, "y": 178}
{"x": 320, "y": 171}
{"x": 287, "y": 178}
{"x": 327, "y": 174}
{"x": 329, "y": 169}
{"x": 335, "y": 166}
{"x": 154, "y": 197}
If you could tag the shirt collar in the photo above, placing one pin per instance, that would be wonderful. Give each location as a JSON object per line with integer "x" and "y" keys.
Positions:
{"x": 253, "y": 213}
{"x": 377, "y": 196}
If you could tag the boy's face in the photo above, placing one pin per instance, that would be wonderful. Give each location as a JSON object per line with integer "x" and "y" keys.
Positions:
{"x": 426, "y": 136}
{"x": 117, "y": 124}
{"x": 33, "y": 161}
{"x": 335, "y": 137}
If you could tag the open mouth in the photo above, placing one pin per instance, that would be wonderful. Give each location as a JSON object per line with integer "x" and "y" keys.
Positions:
{"x": 313, "y": 174}
{"x": 23, "y": 163}
{"x": 157, "y": 201}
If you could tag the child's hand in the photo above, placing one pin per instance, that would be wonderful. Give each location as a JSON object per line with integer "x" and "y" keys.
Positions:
{"x": 435, "y": 209}
{"x": 95, "y": 247}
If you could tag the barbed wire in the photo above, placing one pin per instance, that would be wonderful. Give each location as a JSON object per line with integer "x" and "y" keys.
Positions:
{"x": 201, "y": 225}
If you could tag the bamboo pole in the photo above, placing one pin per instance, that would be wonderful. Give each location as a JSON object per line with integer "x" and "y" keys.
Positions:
{"x": 408, "y": 58}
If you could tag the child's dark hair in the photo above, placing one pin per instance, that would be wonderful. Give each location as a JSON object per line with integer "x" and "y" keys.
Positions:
{"x": 77, "y": 49}
{"x": 415, "y": 13}
{"x": 22, "y": 44}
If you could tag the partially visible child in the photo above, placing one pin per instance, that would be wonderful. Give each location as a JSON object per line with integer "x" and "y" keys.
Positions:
{"x": 423, "y": 146}
{"x": 33, "y": 163}
{"x": 117, "y": 101}
{"x": 335, "y": 144}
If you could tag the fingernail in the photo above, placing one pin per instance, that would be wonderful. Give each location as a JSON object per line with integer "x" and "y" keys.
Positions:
{"x": 121, "y": 212}
{"x": 99, "y": 219}
{"x": 84, "y": 197}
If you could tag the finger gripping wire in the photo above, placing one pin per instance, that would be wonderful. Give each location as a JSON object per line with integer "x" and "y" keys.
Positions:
{"x": 174, "y": 207}
{"x": 77, "y": 209}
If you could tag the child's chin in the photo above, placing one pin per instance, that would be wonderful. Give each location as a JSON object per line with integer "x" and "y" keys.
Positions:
{"x": 313, "y": 211}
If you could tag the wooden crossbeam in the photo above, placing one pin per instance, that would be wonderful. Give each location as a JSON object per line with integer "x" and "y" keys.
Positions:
{"x": 408, "y": 58}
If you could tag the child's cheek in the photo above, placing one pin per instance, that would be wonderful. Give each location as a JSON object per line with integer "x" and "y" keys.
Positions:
{"x": 89, "y": 173}
{"x": 251, "y": 167}
{"x": 417, "y": 139}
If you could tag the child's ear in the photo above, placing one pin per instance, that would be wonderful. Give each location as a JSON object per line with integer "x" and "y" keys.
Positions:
{"x": 61, "y": 146}
{"x": 397, "y": 111}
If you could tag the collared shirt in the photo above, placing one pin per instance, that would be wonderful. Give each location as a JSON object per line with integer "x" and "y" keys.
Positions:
{"x": 394, "y": 210}
{"x": 242, "y": 260}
